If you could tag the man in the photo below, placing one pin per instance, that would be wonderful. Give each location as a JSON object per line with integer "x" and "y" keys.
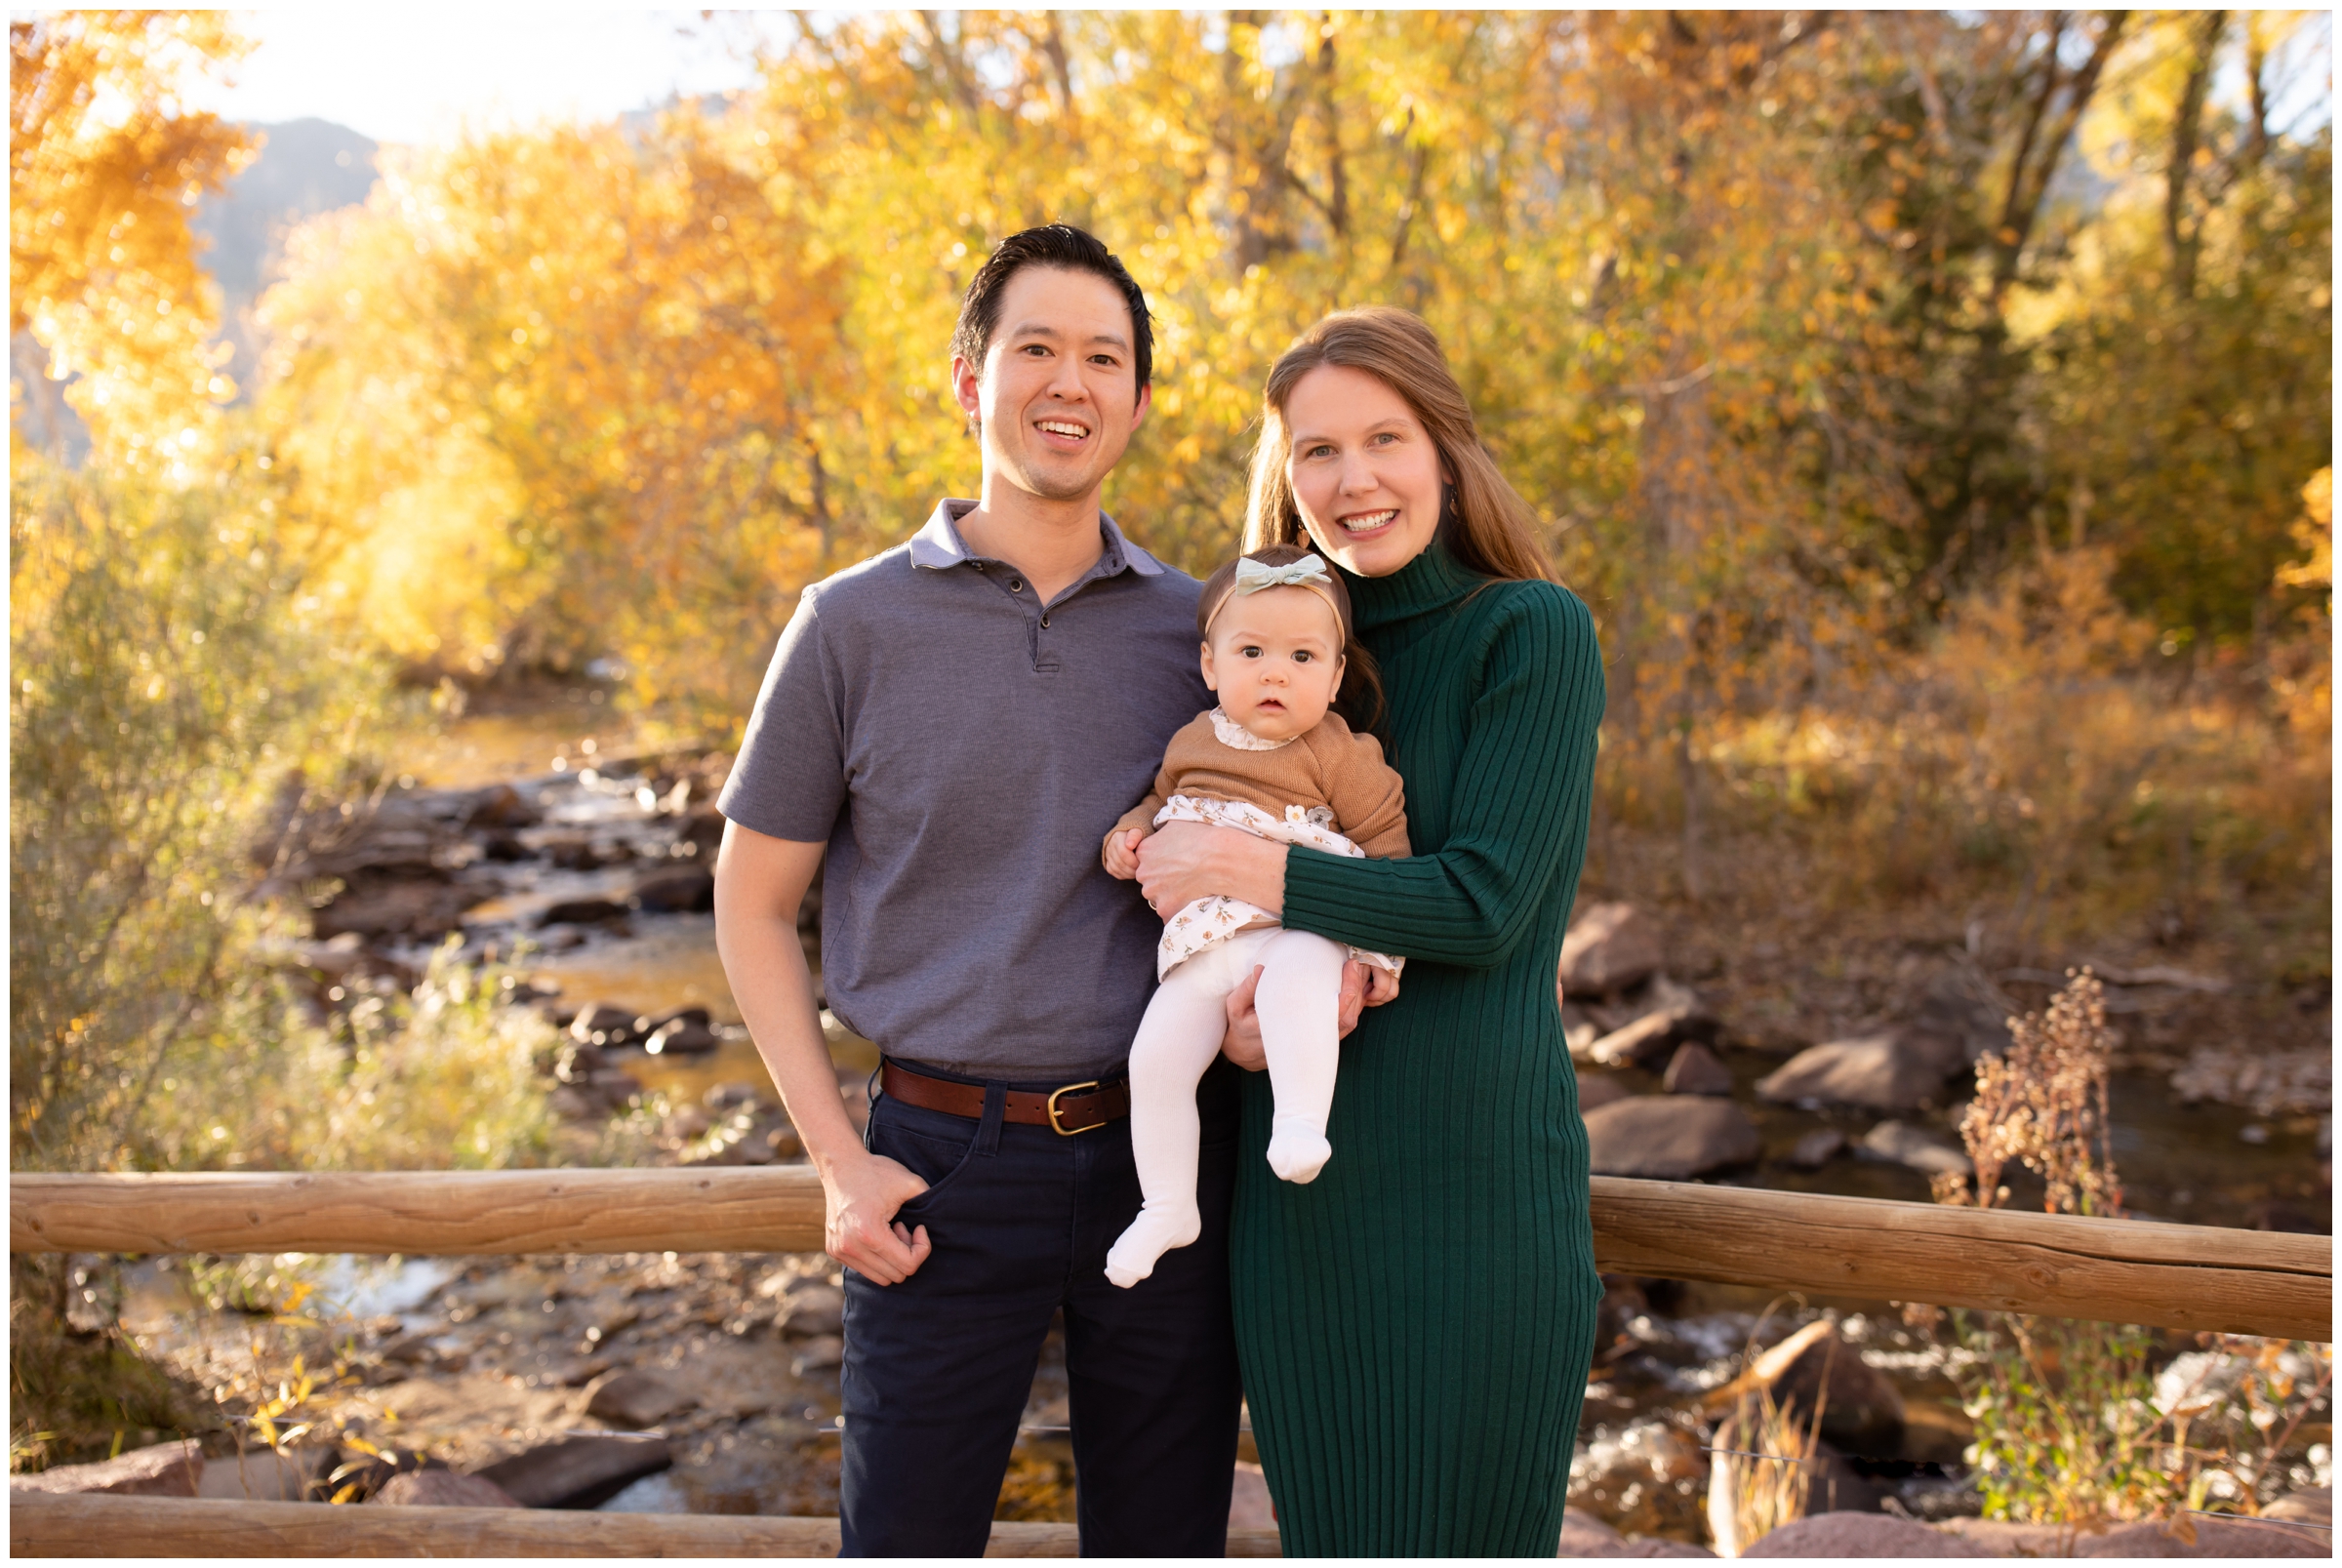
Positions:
{"x": 949, "y": 729}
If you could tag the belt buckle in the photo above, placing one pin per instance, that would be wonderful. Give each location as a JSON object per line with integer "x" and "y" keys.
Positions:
{"x": 1060, "y": 1128}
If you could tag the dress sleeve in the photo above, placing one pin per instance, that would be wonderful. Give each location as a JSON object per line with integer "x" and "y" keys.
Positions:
{"x": 1522, "y": 794}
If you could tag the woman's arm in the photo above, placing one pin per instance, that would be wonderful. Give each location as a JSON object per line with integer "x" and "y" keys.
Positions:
{"x": 1517, "y": 814}
{"x": 1523, "y": 792}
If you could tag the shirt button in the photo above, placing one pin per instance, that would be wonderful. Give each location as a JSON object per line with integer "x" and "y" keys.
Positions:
{"x": 1044, "y": 622}
{"x": 1015, "y": 584}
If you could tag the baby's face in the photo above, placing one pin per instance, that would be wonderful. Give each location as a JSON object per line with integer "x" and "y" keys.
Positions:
{"x": 1275, "y": 658}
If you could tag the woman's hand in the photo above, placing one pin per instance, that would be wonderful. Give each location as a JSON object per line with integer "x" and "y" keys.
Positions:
{"x": 1182, "y": 862}
{"x": 1241, "y": 1044}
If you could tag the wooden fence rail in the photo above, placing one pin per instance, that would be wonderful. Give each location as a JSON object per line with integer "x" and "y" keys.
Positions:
{"x": 98, "y": 1526}
{"x": 2118, "y": 1270}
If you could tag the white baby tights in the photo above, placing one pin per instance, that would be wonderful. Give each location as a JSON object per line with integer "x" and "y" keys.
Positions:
{"x": 1299, "y": 1003}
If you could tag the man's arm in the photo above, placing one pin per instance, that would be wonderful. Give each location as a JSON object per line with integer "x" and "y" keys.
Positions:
{"x": 760, "y": 882}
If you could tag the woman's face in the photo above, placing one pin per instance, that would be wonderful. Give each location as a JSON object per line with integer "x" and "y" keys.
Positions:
{"x": 1365, "y": 471}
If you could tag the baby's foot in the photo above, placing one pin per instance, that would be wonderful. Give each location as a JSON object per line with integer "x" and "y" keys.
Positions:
{"x": 1298, "y": 1150}
{"x": 1152, "y": 1234}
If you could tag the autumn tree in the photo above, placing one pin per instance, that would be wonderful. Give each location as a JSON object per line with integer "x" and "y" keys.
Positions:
{"x": 105, "y": 167}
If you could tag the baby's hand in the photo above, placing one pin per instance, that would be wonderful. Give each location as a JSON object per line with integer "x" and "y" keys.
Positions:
{"x": 1122, "y": 854}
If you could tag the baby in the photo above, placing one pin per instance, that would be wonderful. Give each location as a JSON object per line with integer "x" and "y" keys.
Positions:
{"x": 1272, "y": 760}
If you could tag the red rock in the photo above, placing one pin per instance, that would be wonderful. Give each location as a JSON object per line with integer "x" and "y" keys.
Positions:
{"x": 637, "y": 1399}
{"x": 1670, "y": 1137}
{"x": 1861, "y": 1535}
{"x": 165, "y": 1469}
{"x": 1694, "y": 1069}
{"x": 2214, "y": 1538}
{"x": 1594, "y": 1092}
{"x": 1889, "y": 1071}
{"x": 1608, "y": 947}
{"x": 1649, "y": 1039}
{"x": 443, "y": 1489}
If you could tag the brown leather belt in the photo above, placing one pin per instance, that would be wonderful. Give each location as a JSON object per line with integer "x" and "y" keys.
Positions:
{"x": 1077, "y": 1108}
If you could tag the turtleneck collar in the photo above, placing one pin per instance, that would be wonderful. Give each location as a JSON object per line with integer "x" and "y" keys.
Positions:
{"x": 1432, "y": 581}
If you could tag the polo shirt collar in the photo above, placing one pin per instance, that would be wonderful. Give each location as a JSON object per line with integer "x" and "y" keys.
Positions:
{"x": 938, "y": 544}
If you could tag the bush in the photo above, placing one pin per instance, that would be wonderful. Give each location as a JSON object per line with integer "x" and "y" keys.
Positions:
{"x": 169, "y": 675}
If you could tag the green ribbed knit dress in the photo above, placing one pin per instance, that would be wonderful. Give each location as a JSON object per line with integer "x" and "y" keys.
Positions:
{"x": 1416, "y": 1325}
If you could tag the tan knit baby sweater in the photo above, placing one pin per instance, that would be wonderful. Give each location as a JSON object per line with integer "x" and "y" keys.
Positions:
{"x": 1328, "y": 766}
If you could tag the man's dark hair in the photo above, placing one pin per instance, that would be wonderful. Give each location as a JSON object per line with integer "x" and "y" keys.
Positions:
{"x": 1058, "y": 245}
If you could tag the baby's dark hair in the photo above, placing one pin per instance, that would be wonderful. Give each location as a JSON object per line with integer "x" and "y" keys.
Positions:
{"x": 1360, "y": 699}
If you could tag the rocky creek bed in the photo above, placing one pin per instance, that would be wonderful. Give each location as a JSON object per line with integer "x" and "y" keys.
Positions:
{"x": 707, "y": 1383}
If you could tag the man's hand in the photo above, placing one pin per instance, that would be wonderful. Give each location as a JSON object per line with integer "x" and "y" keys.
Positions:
{"x": 1241, "y": 1044}
{"x": 1122, "y": 853}
{"x": 860, "y": 1231}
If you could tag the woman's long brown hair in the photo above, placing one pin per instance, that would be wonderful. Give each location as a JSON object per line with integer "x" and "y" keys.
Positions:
{"x": 1489, "y": 528}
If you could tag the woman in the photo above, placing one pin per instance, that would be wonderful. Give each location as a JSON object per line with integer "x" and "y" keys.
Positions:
{"x": 1416, "y": 1325}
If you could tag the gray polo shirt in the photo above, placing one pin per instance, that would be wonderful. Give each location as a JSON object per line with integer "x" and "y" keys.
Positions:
{"x": 963, "y": 749}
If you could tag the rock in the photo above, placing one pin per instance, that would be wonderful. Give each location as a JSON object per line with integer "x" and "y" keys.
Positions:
{"x": 614, "y": 1087}
{"x": 1651, "y": 1038}
{"x": 578, "y": 1472}
{"x": 262, "y": 1475}
{"x": 1608, "y": 947}
{"x": 2214, "y": 1538}
{"x": 688, "y": 888}
{"x": 1670, "y": 1137}
{"x": 818, "y": 1354}
{"x": 2268, "y": 1083}
{"x": 1248, "y": 1505}
{"x": 1965, "y": 1010}
{"x": 815, "y": 1308}
{"x": 636, "y": 1399}
{"x": 1596, "y": 1092}
{"x": 1862, "y": 1413}
{"x": 604, "y": 1023}
{"x": 1694, "y": 1069}
{"x": 681, "y": 1038}
{"x": 582, "y": 912}
{"x": 379, "y": 906}
{"x": 2312, "y": 1504}
{"x": 1860, "y": 1535}
{"x": 575, "y": 1105}
{"x": 1582, "y": 1534}
{"x": 501, "y": 806}
{"x": 689, "y": 1122}
{"x": 1578, "y": 1032}
{"x": 1899, "y": 1143}
{"x": 730, "y": 1096}
{"x": 1644, "y": 1478}
{"x": 164, "y": 1470}
{"x": 577, "y": 852}
{"x": 1817, "y": 1149}
{"x": 443, "y": 1489}
{"x": 1656, "y": 994}
{"x": 1891, "y": 1071}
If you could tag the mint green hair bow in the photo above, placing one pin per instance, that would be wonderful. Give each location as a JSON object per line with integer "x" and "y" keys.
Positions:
{"x": 1309, "y": 572}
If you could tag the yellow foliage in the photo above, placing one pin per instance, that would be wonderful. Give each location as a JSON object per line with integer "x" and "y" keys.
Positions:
{"x": 105, "y": 167}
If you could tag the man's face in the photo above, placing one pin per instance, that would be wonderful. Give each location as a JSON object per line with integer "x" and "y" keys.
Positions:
{"x": 1058, "y": 392}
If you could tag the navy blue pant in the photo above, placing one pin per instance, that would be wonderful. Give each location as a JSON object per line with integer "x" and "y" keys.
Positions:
{"x": 938, "y": 1368}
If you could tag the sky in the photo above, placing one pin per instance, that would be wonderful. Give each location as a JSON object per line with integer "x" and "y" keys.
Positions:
{"x": 421, "y": 74}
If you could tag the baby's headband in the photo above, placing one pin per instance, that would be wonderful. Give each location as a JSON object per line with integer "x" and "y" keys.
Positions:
{"x": 1309, "y": 572}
